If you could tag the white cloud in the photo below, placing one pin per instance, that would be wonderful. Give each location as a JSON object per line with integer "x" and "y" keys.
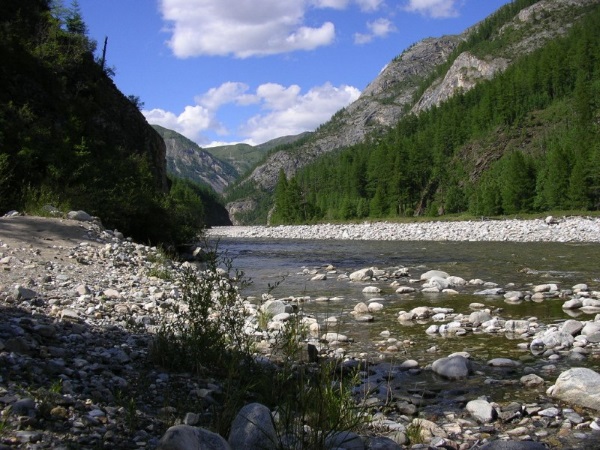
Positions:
{"x": 369, "y": 5}
{"x": 191, "y": 122}
{"x": 379, "y": 28}
{"x": 434, "y": 8}
{"x": 278, "y": 111}
{"x": 289, "y": 114}
{"x": 334, "y": 4}
{"x": 228, "y": 92}
{"x": 241, "y": 28}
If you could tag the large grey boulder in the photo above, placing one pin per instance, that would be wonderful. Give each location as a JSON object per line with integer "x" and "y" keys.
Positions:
{"x": 517, "y": 326}
{"x": 551, "y": 340}
{"x": 345, "y": 440}
{"x": 81, "y": 216}
{"x": 253, "y": 429}
{"x": 481, "y": 410}
{"x": 479, "y": 317}
{"x": 571, "y": 326}
{"x": 185, "y": 437}
{"x": 578, "y": 386}
{"x": 362, "y": 275}
{"x": 452, "y": 367}
{"x": 274, "y": 307}
{"x": 434, "y": 274}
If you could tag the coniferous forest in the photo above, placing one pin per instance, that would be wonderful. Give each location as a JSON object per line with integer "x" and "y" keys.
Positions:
{"x": 526, "y": 141}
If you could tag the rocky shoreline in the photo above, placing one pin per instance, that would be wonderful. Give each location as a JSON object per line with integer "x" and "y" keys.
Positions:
{"x": 78, "y": 316}
{"x": 550, "y": 229}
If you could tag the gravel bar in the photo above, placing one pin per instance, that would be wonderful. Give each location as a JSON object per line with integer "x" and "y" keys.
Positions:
{"x": 563, "y": 229}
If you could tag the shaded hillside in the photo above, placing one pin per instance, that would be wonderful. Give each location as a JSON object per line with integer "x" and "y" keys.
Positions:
{"x": 185, "y": 159}
{"x": 245, "y": 157}
{"x": 70, "y": 138}
{"x": 428, "y": 73}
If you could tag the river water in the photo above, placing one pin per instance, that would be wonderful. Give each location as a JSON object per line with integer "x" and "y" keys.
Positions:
{"x": 289, "y": 265}
{"x": 517, "y": 266}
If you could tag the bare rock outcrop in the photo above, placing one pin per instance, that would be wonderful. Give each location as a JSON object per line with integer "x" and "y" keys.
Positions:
{"x": 466, "y": 71}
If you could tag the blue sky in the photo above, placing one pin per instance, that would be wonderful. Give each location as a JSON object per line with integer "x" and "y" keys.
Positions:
{"x": 228, "y": 71}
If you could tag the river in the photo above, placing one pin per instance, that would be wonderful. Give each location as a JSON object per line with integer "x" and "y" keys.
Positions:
{"x": 289, "y": 265}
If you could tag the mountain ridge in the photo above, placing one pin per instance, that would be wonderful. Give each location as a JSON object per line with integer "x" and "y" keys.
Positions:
{"x": 427, "y": 73}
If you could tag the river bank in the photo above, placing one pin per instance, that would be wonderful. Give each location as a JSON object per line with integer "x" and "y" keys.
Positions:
{"x": 80, "y": 305}
{"x": 563, "y": 229}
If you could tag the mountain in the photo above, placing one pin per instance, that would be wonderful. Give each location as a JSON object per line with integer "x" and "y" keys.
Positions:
{"x": 185, "y": 159}
{"x": 422, "y": 78}
{"x": 245, "y": 157}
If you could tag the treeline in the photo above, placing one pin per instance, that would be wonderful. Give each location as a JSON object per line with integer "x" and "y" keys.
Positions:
{"x": 526, "y": 141}
{"x": 69, "y": 138}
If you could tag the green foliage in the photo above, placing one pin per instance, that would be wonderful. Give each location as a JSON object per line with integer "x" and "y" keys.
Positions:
{"x": 290, "y": 204}
{"x": 68, "y": 137}
{"x": 525, "y": 141}
{"x": 207, "y": 330}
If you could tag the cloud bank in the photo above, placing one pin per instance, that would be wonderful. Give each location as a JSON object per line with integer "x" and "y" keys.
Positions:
{"x": 281, "y": 110}
{"x": 250, "y": 28}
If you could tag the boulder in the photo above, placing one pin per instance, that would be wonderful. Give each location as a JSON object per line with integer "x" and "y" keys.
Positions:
{"x": 253, "y": 429}
{"x": 81, "y": 216}
{"x": 362, "y": 275}
{"x": 452, "y": 367}
{"x": 516, "y": 326}
{"x": 186, "y": 437}
{"x": 405, "y": 290}
{"x": 503, "y": 362}
{"x": 532, "y": 380}
{"x": 578, "y": 386}
{"x": 331, "y": 337}
{"x": 345, "y": 440}
{"x": 481, "y": 410}
{"x": 478, "y": 317}
{"x": 574, "y": 303}
{"x": 437, "y": 282}
{"x": 274, "y": 307}
{"x": 571, "y": 326}
{"x": 434, "y": 273}
{"x": 371, "y": 290}
{"x": 553, "y": 340}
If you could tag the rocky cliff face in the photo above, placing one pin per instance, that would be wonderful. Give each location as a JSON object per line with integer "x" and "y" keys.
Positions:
{"x": 391, "y": 94}
{"x": 537, "y": 24}
{"x": 185, "y": 159}
{"x": 466, "y": 71}
{"x": 380, "y": 106}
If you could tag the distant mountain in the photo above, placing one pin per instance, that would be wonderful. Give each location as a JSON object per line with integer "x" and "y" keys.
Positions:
{"x": 185, "y": 159}
{"x": 245, "y": 157}
{"x": 423, "y": 77}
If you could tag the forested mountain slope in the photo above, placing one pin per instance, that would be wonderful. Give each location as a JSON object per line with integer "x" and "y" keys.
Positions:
{"x": 527, "y": 140}
{"x": 419, "y": 80}
{"x": 245, "y": 157}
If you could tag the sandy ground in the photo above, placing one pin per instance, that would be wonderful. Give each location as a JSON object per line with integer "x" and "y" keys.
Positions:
{"x": 49, "y": 235}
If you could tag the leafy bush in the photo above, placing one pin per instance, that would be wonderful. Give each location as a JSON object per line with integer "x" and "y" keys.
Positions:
{"x": 207, "y": 331}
